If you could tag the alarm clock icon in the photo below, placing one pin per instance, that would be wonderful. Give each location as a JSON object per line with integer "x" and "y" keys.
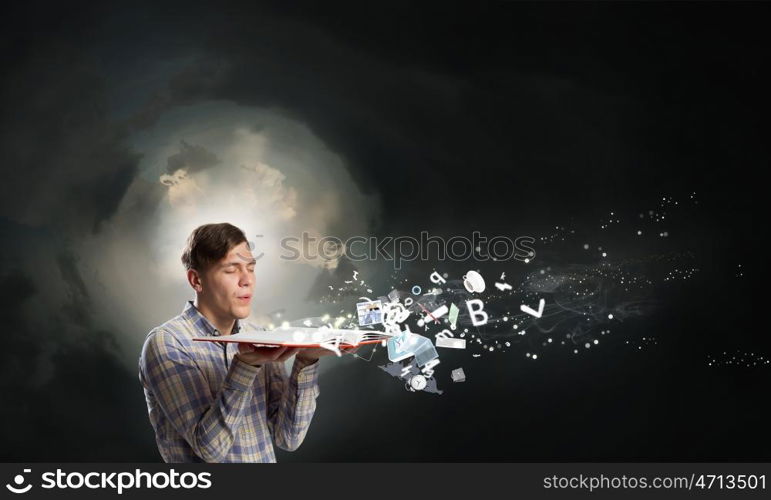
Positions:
{"x": 418, "y": 383}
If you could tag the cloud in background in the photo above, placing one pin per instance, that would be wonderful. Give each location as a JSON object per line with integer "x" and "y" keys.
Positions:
{"x": 217, "y": 162}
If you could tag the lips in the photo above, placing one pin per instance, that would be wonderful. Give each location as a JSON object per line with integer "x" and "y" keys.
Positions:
{"x": 245, "y": 297}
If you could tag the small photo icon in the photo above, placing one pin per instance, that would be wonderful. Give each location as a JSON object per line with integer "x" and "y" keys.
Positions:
{"x": 370, "y": 313}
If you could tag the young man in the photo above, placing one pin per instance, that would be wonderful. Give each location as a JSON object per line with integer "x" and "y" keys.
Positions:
{"x": 223, "y": 402}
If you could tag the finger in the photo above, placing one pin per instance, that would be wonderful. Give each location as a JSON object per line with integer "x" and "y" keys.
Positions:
{"x": 277, "y": 353}
{"x": 246, "y": 348}
{"x": 265, "y": 351}
{"x": 288, "y": 354}
{"x": 259, "y": 351}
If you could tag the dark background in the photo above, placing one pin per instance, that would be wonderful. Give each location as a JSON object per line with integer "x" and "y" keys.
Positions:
{"x": 545, "y": 112}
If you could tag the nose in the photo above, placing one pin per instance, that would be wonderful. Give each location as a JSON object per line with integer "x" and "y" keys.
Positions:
{"x": 246, "y": 279}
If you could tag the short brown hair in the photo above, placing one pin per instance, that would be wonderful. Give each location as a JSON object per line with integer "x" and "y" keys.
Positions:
{"x": 210, "y": 243}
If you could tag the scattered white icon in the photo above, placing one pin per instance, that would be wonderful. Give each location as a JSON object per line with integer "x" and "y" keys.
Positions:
{"x": 457, "y": 375}
{"x": 433, "y": 315}
{"x": 474, "y": 282}
{"x": 450, "y": 343}
{"x": 531, "y": 312}
{"x": 418, "y": 382}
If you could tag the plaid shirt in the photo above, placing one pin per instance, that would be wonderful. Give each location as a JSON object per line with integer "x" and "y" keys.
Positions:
{"x": 207, "y": 406}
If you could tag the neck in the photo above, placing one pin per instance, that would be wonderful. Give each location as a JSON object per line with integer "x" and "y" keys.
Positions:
{"x": 224, "y": 325}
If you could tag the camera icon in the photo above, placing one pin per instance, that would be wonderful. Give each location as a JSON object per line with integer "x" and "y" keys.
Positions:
{"x": 18, "y": 480}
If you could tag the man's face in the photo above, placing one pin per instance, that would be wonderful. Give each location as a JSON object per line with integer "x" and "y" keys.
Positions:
{"x": 229, "y": 283}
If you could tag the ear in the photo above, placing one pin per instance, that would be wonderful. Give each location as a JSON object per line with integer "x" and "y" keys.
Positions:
{"x": 195, "y": 280}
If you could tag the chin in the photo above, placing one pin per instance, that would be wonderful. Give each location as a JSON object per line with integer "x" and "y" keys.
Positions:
{"x": 242, "y": 312}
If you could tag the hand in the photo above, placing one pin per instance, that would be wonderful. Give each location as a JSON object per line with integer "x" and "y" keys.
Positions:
{"x": 253, "y": 355}
{"x": 312, "y": 354}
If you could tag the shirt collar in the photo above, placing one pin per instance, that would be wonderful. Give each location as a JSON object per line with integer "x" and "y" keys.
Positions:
{"x": 202, "y": 324}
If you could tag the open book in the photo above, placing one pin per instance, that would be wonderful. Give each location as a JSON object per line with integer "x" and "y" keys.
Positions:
{"x": 303, "y": 337}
